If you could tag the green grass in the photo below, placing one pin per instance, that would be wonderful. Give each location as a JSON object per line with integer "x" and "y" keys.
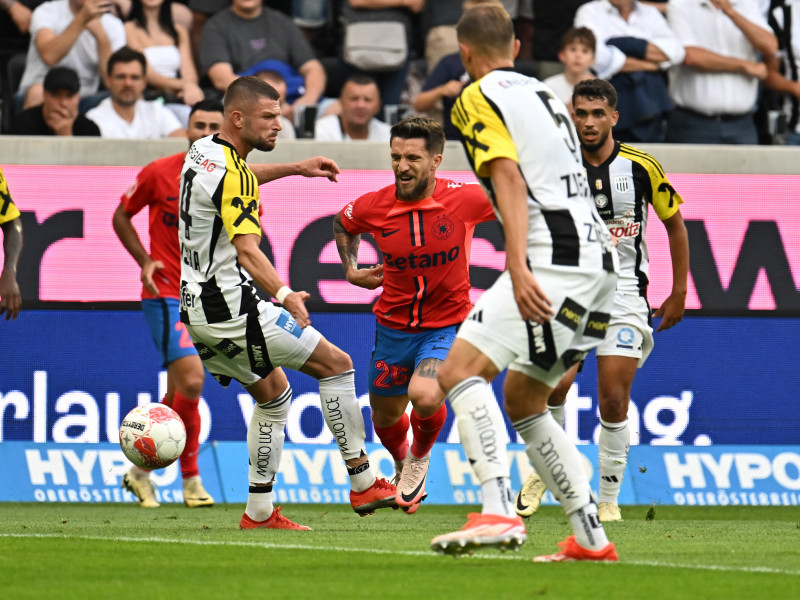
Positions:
{"x": 121, "y": 551}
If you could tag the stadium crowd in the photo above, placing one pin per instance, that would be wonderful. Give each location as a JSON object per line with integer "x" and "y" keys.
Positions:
{"x": 689, "y": 71}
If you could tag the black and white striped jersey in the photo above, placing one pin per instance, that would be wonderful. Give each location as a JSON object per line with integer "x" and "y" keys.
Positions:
{"x": 623, "y": 187}
{"x": 508, "y": 115}
{"x": 218, "y": 199}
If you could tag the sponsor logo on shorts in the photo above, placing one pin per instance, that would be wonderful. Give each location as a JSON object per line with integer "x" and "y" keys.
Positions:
{"x": 570, "y": 314}
{"x": 286, "y": 322}
{"x": 228, "y": 348}
{"x": 205, "y": 352}
{"x": 625, "y": 338}
{"x": 597, "y": 325}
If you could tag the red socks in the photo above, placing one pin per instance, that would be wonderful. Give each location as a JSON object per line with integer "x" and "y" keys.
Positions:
{"x": 395, "y": 438}
{"x": 187, "y": 410}
{"x": 426, "y": 430}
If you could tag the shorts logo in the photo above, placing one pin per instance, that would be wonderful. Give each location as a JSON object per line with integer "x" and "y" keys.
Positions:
{"x": 442, "y": 228}
{"x": 597, "y": 325}
{"x": 223, "y": 380}
{"x": 205, "y": 352}
{"x": 570, "y": 314}
{"x": 228, "y": 348}
{"x": 572, "y": 357}
{"x": 625, "y": 338}
{"x": 541, "y": 345}
{"x": 288, "y": 324}
{"x": 622, "y": 183}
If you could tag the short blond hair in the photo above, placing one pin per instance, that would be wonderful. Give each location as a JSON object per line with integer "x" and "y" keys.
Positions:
{"x": 487, "y": 28}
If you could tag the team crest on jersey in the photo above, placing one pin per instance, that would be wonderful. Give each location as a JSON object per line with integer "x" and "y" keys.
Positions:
{"x": 442, "y": 228}
{"x": 601, "y": 200}
{"x": 622, "y": 183}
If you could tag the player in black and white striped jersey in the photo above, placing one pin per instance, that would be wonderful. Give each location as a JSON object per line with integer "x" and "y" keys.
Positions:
{"x": 242, "y": 336}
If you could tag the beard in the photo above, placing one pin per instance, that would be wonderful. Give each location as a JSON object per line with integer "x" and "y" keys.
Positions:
{"x": 263, "y": 145}
{"x": 597, "y": 145}
{"x": 416, "y": 193}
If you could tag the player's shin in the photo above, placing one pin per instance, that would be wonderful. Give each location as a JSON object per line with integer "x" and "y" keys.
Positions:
{"x": 265, "y": 437}
{"x": 483, "y": 436}
{"x": 558, "y": 463}
{"x": 395, "y": 437}
{"x": 426, "y": 430}
{"x": 343, "y": 416}
{"x": 612, "y": 446}
{"x": 187, "y": 411}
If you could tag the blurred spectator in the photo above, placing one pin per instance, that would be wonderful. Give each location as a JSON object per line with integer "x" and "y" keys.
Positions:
{"x": 180, "y": 13}
{"x": 390, "y": 81}
{"x": 577, "y": 56}
{"x": 440, "y": 90}
{"x": 440, "y": 18}
{"x": 58, "y": 114}
{"x": 15, "y": 23}
{"x": 784, "y": 68}
{"x": 125, "y": 114}
{"x": 166, "y": 46}
{"x": 716, "y": 89}
{"x": 550, "y": 22}
{"x": 79, "y": 34}
{"x": 634, "y": 43}
{"x": 360, "y": 101}
{"x": 246, "y": 34}
{"x": 277, "y": 81}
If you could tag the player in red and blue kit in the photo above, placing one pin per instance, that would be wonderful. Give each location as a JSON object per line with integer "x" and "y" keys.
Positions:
{"x": 423, "y": 226}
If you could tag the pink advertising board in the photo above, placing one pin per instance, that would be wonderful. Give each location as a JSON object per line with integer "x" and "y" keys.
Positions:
{"x": 747, "y": 225}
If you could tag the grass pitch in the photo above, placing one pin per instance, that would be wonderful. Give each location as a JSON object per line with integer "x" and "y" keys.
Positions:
{"x": 117, "y": 551}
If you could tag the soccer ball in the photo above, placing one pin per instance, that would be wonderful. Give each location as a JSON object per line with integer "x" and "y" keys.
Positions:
{"x": 152, "y": 436}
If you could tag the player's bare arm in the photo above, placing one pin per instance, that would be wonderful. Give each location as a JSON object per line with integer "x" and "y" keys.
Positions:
{"x": 347, "y": 245}
{"x": 672, "y": 309}
{"x": 318, "y": 166}
{"x": 10, "y": 298}
{"x": 511, "y": 196}
{"x": 126, "y": 233}
{"x": 264, "y": 274}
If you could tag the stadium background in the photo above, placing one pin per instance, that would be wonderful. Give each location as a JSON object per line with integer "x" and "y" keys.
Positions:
{"x": 79, "y": 356}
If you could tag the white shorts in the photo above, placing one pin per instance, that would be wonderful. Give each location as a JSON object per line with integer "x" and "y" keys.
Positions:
{"x": 249, "y": 347}
{"x": 629, "y": 332}
{"x": 582, "y": 304}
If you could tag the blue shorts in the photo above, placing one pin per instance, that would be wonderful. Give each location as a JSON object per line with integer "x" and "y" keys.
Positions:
{"x": 169, "y": 334}
{"x": 397, "y": 354}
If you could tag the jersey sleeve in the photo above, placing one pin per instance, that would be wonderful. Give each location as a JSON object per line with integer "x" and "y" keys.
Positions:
{"x": 476, "y": 208}
{"x": 8, "y": 210}
{"x": 480, "y": 123}
{"x": 666, "y": 201}
{"x": 239, "y": 202}
{"x": 355, "y": 216}
{"x": 140, "y": 194}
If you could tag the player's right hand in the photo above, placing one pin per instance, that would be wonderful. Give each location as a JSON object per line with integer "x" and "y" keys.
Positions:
{"x": 148, "y": 270}
{"x": 533, "y": 303}
{"x": 368, "y": 278}
{"x": 10, "y": 298}
{"x": 295, "y": 303}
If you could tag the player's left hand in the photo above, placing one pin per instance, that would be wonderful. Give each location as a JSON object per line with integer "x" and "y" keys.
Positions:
{"x": 10, "y": 298}
{"x": 295, "y": 303}
{"x": 319, "y": 166}
{"x": 671, "y": 311}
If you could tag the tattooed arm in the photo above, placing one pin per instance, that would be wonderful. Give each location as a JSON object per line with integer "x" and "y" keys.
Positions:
{"x": 347, "y": 244}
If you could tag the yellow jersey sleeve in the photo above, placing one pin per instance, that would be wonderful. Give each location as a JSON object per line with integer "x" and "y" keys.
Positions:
{"x": 481, "y": 125}
{"x": 239, "y": 202}
{"x": 8, "y": 210}
{"x": 666, "y": 201}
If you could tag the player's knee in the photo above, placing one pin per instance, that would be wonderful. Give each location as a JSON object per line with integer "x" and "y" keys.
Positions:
{"x": 614, "y": 407}
{"x": 192, "y": 386}
{"x": 383, "y": 416}
{"x": 427, "y": 404}
{"x": 559, "y": 395}
{"x": 340, "y": 360}
{"x": 449, "y": 375}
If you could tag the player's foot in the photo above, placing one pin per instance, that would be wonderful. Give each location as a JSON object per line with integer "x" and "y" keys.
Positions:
{"x": 138, "y": 483}
{"x": 379, "y": 495}
{"x": 276, "y": 521}
{"x": 411, "y": 488}
{"x": 194, "y": 494}
{"x": 608, "y": 511}
{"x": 490, "y": 531}
{"x": 570, "y": 550}
{"x": 529, "y": 498}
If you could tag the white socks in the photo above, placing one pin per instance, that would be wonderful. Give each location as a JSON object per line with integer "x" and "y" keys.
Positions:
{"x": 558, "y": 463}
{"x": 483, "y": 436}
{"x": 265, "y": 437}
{"x": 558, "y": 413}
{"x": 612, "y": 452}
{"x": 342, "y": 414}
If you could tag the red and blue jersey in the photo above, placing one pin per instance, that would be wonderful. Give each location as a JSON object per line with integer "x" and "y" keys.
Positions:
{"x": 157, "y": 186}
{"x": 425, "y": 246}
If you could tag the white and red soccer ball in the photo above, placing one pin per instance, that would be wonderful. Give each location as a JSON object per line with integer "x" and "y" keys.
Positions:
{"x": 152, "y": 436}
